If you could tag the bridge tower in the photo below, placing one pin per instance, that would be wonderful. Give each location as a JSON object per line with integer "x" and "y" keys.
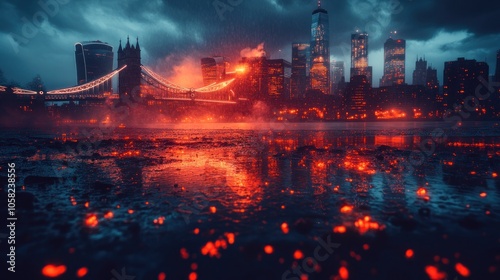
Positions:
{"x": 129, "y": 80}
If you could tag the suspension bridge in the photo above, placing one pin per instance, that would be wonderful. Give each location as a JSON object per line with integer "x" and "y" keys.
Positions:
{"x": 152, "y": 86}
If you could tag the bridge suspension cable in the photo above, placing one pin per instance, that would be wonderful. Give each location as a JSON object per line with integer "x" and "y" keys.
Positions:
{"x": 87, "y": 86}
{"x": 162, "y": 80}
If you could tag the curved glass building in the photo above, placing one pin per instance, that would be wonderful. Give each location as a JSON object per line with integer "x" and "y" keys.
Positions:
{"x": 94, "y": 59}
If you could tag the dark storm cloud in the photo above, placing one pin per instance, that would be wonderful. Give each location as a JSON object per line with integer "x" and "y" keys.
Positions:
{"x": 176, "y": 29}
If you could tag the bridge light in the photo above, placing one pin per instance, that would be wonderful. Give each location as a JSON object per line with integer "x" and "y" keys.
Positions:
{"x": 241, "y": 69}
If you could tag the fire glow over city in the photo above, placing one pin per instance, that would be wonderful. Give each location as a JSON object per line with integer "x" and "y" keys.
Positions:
{"x": 252, "y": 140}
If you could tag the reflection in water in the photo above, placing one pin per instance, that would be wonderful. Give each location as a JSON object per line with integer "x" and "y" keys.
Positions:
{"x": 244, "y": 194}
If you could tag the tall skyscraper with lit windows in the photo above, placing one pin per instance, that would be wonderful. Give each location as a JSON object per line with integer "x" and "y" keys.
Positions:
{"x": 300, "y": 69}
{"x": 394, "y": 62}
{"x": 320, "y": 50}
{"x": 359, "y": 56}
{"x": 94, "y": 59}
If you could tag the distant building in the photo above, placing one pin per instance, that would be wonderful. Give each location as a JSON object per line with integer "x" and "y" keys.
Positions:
{"x": 300, "y": 69}
{"x": 279, "y": 72}
{"x": 254, "y": 81}
{"x": 356, "y": 98}
{"x": 94, "y": 59}
{"x": 420, "y": 72}
{"x": 431, "y": 79}
{"x": 394, "y": 62}
{"x": 213, "y": 70}
{"x": 497, "y": 69}
{"x": 461, "y": 77}
{"x": 337, "y": 72}
{"x": 130, "y": 77}
{"x": 359, "y": 56}
{"x": 320, "y": 50}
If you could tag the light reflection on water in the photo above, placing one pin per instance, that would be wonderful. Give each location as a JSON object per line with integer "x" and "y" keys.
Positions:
{"x": 249, "y": 179}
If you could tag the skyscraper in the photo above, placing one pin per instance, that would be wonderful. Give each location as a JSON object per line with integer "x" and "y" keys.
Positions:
{"x": 497, "y": 69}
{"x": 359, "y": 56}
{"x": 94, "y": 59}
{"x": 279, "y": 72}
{"x": 431, "y": 79}
{"x": 461, "y": 77}
{"x": 213, "y": 69}
{"x": 394, "y": 62}
{"x": 130, "y": 77}
{"x": 420, "y": 72}
{"x": 300, "y": 69}
{"x": 320, "y": 50}
{"x": 337, "y": 71}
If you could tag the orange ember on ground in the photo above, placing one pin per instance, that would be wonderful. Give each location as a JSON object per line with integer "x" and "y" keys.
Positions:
{"x": 346, "y": 209}
{"x": 268, "y": 249}
{"x": 462, "y": 270}
{"x": 108, "y": 215}
{"x": 343, "y": 272}
{"x": 230, "y": 237}
{"x": 53, "y": 271}
{"x": 213, "y": 209}
{"x": 298, "y": 255}
{"x": 91, "y": 220}
{"x": 82, "y": 272}
{"x": 339, "y": 229}
{"x": 162, "y": 276}
{"x": 434, "y": 273}
{"x": 210, "y": 249}
{"x": 366, "y": 224}
{"x": 366, "y": 247}
{"x": 130, "y": 211}
{"x": 421, "y": 191}
{"x": 483, "y": 194}
{"x": 193, "y": 276}
{"x": 196, "y": 231}
{"x": 284, "y": 228}
{"x": 409, "y": 253}
{"x": 184, "y": 253}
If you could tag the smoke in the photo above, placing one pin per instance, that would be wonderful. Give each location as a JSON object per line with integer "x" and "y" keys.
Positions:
{"x": 183, "y": 71}
{"x": 256, "y": 52}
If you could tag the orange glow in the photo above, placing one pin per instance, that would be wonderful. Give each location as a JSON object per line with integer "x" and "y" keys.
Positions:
{"x": 230, "y": 237}
{"x": 82, "y": 272}
{"x": 339, "y": 229}
{"x": 298, "y": 255}
{"x": 130, "y": 211}
{"x": 193, "y": 276}
{"x": 213, "y": 209}
{"x": 162, "y": 276}
{"x": 86, "y": 205}
{"x": 346, "y": 209}
{"x": 108, "y": 215}
{"x": 390, "y": 114}
{"x": 483, "y": 194}
{"x": 462, "y": 270}
{"x": 184, "y": 253}
{"x": 159, "y": 221}
{"x": 366, "y": 247}
{"x": 421, "y": 191}
{"x": 194, "y": 266}
{"x": 366, "y": 224}
{"x": 304, "y": 277}
{"x": 343, "y": 272}
{"x": 409, "y": 253}
{"x": 210, "y": 249}
{"x": 196, "y": 231}
{"x": 268, "y": 249}
{"x": 53, "y": 271}
{"x": 91, "y": 220}
{"x": 434, "y": 273}
{"x": 284, "y": 228}
{"x": 494, "y": 174}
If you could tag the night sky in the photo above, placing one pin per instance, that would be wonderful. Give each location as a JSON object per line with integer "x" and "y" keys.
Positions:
{"x": 174, "y": 35}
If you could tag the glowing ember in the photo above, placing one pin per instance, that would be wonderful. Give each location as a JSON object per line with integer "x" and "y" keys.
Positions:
{"x": 213, "y": 209}
{"x": 193, "y": 276}
{"x": 462, "y": 270}
{"x": 159, "y": 220}
{"x": 434, "y": 273}
{"x": 284, "y": 228}
{"x": 298, "y": 255}
{"x": 82, "y": 272}
{"x": 53, "y": 271}
{"x": 494, "y": 174}
{"x": 162, "y": 276}
{"x": 108, "y": 215}
{"x": 268, "y": 249}
{"x": 184, "y": 253}
{"x": 366, "y": 247}
{"x": 230, "y": 237}
{"x": 421, "y": 191}
{"x": 339, "y": 229}
{"x": 87, "y": 205}
{"x": 210, "y": 249}
{"x": 483, "y": 194}
{"x": 366, "y": 224}
{"x": 91, "y": 220}
{"x": 346, "y": 209}
{"x": 409, "y": 253}
{"x": 343, "y": 272}
{"x": 130, "y": 211}
{"x": 196, "y": 231}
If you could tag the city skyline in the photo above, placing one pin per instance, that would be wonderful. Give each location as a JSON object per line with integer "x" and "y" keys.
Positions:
{"x": 173, "y": 44}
